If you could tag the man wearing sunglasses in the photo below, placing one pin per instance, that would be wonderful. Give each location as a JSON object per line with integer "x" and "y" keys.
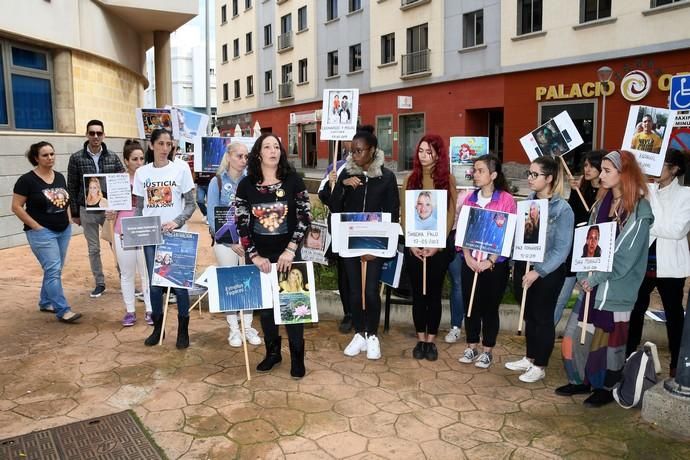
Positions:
{"x": 92, "y": 158}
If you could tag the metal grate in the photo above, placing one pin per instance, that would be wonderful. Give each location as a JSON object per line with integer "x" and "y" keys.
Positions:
{"x": 116, "y": 436}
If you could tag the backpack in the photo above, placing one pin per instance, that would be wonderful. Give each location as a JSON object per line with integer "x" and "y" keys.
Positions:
{"x": 639, "y": 374}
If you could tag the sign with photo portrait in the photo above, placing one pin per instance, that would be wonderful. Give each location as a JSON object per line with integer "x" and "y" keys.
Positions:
{"x": 530, "y": 230}
{"x": 463, "y": 150}
{"x": 339, "y": 114}
{"x": 425, "y": 218}
{"x": 647, "y": 135}
{"x": 296, "y": 295}
{"x": 315, "y": 243}
{"x": 593, "y": 248}
{"x": 107, "y": 192}
{"x": 556, "y": 137}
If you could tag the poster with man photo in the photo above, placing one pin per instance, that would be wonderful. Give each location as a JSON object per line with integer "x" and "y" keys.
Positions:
{"x": 425, "y": 218}
{"x": 150, "y": 119}
{"x": 107, "y": 192}
{"x": 485, "y": 230}
{"x": 296, "y": 295}
{"x": 339, "y": 113}
{"x": 175, "y": 260}
{"x": 555, "y": 137}
{"x": 530, "y": 230}
{"x": 315, "y": 243}
{"x": 463, "y": 151}
{"x": 647, "y": 135}
{"x": 212, "y": 150}
{"x": 242, "y": 287}
{"x": 593, "y": 248}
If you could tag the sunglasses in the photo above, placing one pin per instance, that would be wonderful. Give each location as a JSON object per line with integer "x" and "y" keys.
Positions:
{"x": 95, "y": 133}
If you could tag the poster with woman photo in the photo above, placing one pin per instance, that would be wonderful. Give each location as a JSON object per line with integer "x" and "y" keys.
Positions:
{"x": 425, "y": 218}
{"x": 485, "y": 230}
{"x": 530, "y": 230}
{"x": 175, "y": 260}
{"x": 647, "y": 135}
{"x": 315, "y": 243}
{"x": 242, "y": 287}
{"x": 150, "y": 119}
{"x": 556, "y": 137}
{"x": 107, "y": 192}
{"x": 340, "y": 108}
{"x": 593, "y": 248}
{"x": 296, "y": 295}
{"x": 463, "y": 151}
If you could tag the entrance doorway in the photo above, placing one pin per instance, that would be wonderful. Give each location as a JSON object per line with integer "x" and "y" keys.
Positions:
{"x": 496, "y": 133}
{"x": 411, "y": 130}
{"x": 309, "y": 154}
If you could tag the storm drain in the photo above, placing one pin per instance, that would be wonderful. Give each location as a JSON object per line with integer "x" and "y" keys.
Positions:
{"x": 116, "y": 436}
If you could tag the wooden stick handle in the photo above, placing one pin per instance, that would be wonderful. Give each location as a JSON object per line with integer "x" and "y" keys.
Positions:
{"x": 570, "y": 175}
{"x": 474, "y": 286}
{"x": 364, "y": 284}
{"x": 424, "y": 275}
{"x": 198, "y": 302}
{"x": 522, "y": 304}
{"x": 165, "y": 315}
{"x": 244, "y": 344}
{"x": 585, "y": 316}
{"x": 335, "y": 160}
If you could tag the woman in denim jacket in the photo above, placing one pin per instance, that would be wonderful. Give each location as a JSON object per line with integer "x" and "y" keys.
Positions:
{"x": 544, "y": 281}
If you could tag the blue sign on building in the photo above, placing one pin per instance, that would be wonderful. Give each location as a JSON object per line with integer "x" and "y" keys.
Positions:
{"x": 680, "y": 92}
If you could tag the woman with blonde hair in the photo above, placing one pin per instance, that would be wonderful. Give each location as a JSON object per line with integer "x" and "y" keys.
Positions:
{"x": 94, "y": 194}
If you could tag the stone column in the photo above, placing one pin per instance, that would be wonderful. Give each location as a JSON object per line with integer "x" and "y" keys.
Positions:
{"x": 64, "y": 91}
{"x": 162, "y": 60}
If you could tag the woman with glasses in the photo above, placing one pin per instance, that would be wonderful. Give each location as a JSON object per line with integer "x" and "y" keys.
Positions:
{"x": 598, "y": 364}
{"x": 221, "y": 192}
{"x": 492, "y": 193}
{"x": 544, "y": 279}
{"x": 431, "y": 171}
{"x": 365, "y": 186}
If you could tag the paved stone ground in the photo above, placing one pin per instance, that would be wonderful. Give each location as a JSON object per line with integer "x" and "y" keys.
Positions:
{"x": 197, "y": 403}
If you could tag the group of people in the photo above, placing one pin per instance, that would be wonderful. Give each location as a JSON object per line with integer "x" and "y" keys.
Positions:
{"x": 651, "y": 249}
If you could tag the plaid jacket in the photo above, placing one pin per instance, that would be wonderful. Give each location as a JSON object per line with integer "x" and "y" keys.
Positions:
{"x": 80, "y": 163}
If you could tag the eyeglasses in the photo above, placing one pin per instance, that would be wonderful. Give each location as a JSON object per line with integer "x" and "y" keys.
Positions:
{"x": 533, "y": 175}
{"x": 95, "y": 133}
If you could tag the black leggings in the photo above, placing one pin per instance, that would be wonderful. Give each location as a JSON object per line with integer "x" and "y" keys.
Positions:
{"x": 426, "y": 309}
{"x": 540, "y": 330}
{"x": 491, "y": 285}
{"x": 343, "y": 285}
{"x": 364, "y": 320}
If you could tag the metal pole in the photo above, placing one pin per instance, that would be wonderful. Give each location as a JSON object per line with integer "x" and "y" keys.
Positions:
{"x": 208, "y": 67}
{"x": 605, "y": 86}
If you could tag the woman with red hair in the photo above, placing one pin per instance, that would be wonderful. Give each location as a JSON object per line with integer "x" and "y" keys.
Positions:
{"x": 598, "y": 364}
{"x": 431, "y": 171}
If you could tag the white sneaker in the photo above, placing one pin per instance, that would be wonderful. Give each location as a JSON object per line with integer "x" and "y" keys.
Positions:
{"x": 373, "y": 347}
{"x": 235, "y": 339}
{"x": 469, "y": 355}
{"x": 521, "y": 365}
{"x": 533, "y": 374}
{"x": 252, "y": 336}
{"x": 356, "y": 346}
{"x": 484, "y": 360}
{"x": 453, "y": 335}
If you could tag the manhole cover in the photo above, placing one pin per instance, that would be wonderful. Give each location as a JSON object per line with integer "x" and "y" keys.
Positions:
{"x": 116, "y": 436}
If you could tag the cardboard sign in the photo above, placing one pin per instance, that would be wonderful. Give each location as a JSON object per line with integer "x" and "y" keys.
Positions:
{"x": 149, "y": 120}
{"x": 486, "y": 231}
{"x": 463, "y": 151}
{"x": 530, "y": 230}
{"x": 243, "y": 287}
{"x": 296, "y": 295}
{"x": 593, "y": 247}
{"x": 378, "y": 239}
{"x": 425, "y": 218}
{"x": 315, "y": 243}
{"x": 647, "y": 135}
{"x": 391, "y": 270}
{"x": 141, "y": 231}
{"x": 175, "y": 260}
{"x": 339, "y": 114}
{"x": 107, "y": 192}
{"x": 337, "y": 218}
{"x": 556, "y": 137}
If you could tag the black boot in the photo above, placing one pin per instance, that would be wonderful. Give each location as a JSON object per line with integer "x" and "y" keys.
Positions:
{"x": 272, "y": 355}
{"x": 155, "y": 336}
{"x": 297, "y": 369}
{"x": 182, "y": 332}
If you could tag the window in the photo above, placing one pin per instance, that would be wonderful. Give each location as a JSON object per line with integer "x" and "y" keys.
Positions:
{"x": 302, "y": 18}
{"x": 26, "y": 82}
{"x": 285, "y": 38}
{"x": 356, "y": 57}
{"x": 473, "y": 29}
{"x": 268, "y": 81}
{"x": 248, "y": 39}
{"x": 417, "y": 60}
{"x": 236, "y": 48}
{"x": 286, "y": 24}
{"x": 303, "y": 78}
{"x": 224, "y": 14}
{"x": 332, "y": 63}
{"x": 417, "y": 38}
{"x": 354, "y": 5}
{"x": 387, "y": 48}
{"x": 529, "y": 16}
{"x": 225, "y": 92}
{"x": 225, "y": 52}
{"x": 591, "y": 10}
{"x": 247, "y": 4}
{"x": 237, "y": 89}
{"x": 268, "y": 35}
{"x": 286, "y": 72}
{"x": 250, "y": 85}
{"x": 656, "y": 3}
{"x": 331, "y": 9}
{"x": 235, "y": 10}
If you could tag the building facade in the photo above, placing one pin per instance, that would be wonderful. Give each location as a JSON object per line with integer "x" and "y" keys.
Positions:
{"x": 477, "y": 67}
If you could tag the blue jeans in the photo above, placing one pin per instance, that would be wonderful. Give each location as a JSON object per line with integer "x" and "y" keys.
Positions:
{"x": 563, "y": 297}
{"x": 201, "y": 192}
{"x": 50, "y": 248}
{"x": 457, "y": 306}
{"x": 157, "y": 291}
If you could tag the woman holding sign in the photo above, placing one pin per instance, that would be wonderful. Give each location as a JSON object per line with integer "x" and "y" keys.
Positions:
{"x": 273, "y": 213}
{"x": 491, "y": 193}
{"x": 365, "y": 186}
{"x": 227, "y": 247}
{"x": 599, "y": 362}
{"x": 430, "y": 172}
{"x": 544, "y": 280}
{"x": 172, "y": 179}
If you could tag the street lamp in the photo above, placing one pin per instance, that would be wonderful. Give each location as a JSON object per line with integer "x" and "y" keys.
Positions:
{"x": 604, "y": 75}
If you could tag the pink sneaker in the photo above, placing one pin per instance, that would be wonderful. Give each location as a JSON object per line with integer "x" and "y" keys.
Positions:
{"x": 148, "y": 318}
{"x": 129, "y": 319}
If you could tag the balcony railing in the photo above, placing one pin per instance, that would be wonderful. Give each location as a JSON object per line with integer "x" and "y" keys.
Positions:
{"x": 285, "y": 91}
{"x": 409, "y": 2}
{"x": 416, "y": 63}
{"x": 285, "y": 41}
